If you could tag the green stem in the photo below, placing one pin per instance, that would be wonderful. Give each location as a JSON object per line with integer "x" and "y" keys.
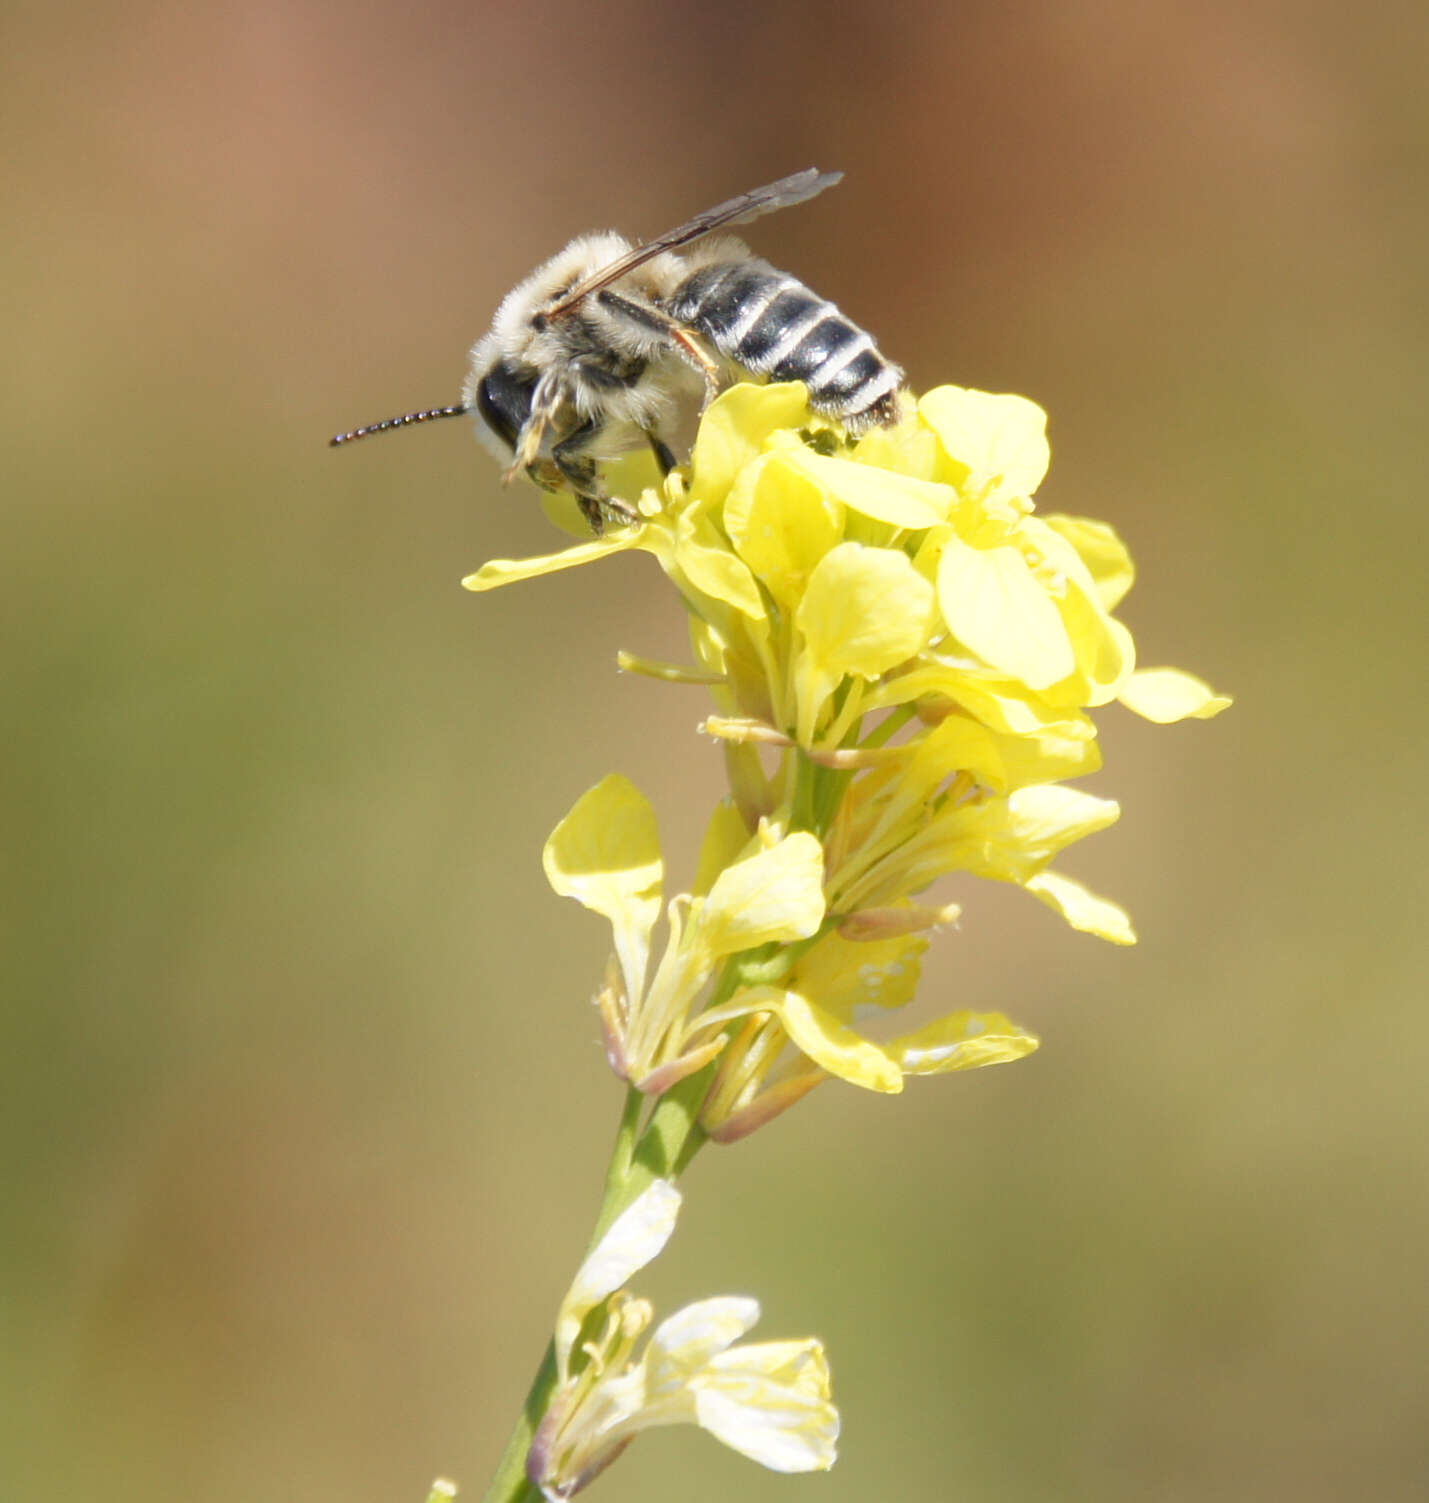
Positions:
{"x": 889, "y": 726}
{"x": 671, "y": 1138}
{"x": 622, "y": 1156}
{"x": 511, "y": 1484}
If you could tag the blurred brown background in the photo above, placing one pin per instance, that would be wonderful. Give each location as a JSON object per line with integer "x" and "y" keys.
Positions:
{"x": 306, "y": 1114}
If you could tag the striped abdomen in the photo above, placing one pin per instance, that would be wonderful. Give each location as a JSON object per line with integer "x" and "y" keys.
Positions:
{"x": 772, "y": 325}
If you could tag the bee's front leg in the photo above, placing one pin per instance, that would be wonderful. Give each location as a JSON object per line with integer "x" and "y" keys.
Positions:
{"x": 579, "y": 472}
{"x": 546, "y": 402}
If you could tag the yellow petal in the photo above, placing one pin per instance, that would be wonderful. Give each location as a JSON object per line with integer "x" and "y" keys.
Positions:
{"x": 962, "y": 1041}
{"x": 734, "y": 430}
{"x": 866, "y": 610}
{"x": 1082, "y": 908}
{"x": 1012, "y": 839}
{"x": 503, "y": 571}
{"x": 906, "y": 449}
{"x": 705, "y": 559}
{"x": 843, "y": 975}
{"x": 956, "y": 744}
{"x": 629, "y": 476}
{"x": 1104, "y": 649}
{"x": 898, "y": 500}
{"x": 606, "y": 854}
{"x": 1102, "y": 646}
{"x": 1102, "y": 551}
{"x": 1167, "y": 694}
{"x": 776, "y": 894}
{"x": 1047, "y": 756}
{"x": 1000, "y": 703}
{"x": 997, "y": 442}
{"x": 782, "y": 524}
{"x": 835, "y": 1046}
{"x": 1047, "y": 819}
{"x": 995, "y": 606}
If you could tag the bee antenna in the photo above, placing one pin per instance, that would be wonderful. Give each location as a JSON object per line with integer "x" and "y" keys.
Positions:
{"x": 425, "y": 416}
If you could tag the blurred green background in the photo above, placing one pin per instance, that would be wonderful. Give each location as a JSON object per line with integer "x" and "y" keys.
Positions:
{"x": 305, "y": 1110}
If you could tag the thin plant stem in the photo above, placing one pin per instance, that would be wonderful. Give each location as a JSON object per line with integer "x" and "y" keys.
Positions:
{"x": 671, "y": 1138}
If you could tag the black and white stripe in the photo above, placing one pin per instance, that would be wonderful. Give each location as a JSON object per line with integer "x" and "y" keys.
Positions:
{"x": 772, "y": 325}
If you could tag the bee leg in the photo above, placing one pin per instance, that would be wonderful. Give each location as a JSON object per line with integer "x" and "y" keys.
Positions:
{"x": 664, "y": 454}
{"x": 545, "y": 403}
{"x": 682, "y": 339}
{"x": 591, "y": 510}
{"x": 578, "y": 471}
{"x": 690, "y": 349}
{"x": 546, "y": 475}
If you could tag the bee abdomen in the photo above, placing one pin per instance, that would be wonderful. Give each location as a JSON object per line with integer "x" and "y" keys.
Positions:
{"x": 774, "y": 326}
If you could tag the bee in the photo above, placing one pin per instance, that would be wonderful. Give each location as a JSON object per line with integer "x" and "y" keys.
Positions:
{"x": 590, "y": 355}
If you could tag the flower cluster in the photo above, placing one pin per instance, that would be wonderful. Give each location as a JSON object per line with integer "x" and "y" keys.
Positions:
{"x": 903, "y": 657}
{"x": 769, "y": 1401}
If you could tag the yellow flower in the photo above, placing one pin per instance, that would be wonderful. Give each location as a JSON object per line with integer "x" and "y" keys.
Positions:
{"x": 903, "y": 656}
{"x": 605, "y": 853}
{"x": 768, "y": 890}
{"x": 817, "y": 1025}
{"x": 769, "y": 1401}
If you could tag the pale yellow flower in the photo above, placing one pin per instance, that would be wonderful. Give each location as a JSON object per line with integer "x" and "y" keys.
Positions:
{"x": 769, "y": 1401}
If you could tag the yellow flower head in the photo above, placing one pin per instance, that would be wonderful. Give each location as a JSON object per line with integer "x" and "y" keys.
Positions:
{"x": 917, "y": 651}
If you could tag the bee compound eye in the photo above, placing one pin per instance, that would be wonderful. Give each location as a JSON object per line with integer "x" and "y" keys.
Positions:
{"x": 503, "y": 398}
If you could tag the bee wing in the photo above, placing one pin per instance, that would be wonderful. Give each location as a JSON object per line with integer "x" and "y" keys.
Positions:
{"x": 788, "y": 190}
